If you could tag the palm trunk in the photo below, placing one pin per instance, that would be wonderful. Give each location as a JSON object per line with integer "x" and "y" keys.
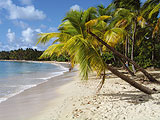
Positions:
{"x": 126, "y": 54}
{"x": 102, "y": 82}
{"x": 153, "y": 51}
{"x": 149, "y": 76}
{"x": 133, "y": 45}
{"x": 127, "y": 68}
{"x": 126, "y": 48}
{"x": 130, "y": 81}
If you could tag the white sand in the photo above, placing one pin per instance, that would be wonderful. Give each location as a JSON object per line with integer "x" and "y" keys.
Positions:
{"x": 77, "y": 100}
{"x": 117, "y": 100}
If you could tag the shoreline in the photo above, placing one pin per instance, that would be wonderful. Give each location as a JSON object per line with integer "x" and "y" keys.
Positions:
{"x": 7, "y": 111}
{"x": 75, "y": 99}
{"x": 34, "y": 61}
{"x": 28, "y": 103}
{"x": 63, "y": 65}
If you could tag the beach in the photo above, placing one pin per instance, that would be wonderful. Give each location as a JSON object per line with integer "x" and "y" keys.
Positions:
{"x": 67, "y": 97}
{"x": 80, "y": 60}
{"x": 117, "y": 100}
{"x": 29, "y": 102}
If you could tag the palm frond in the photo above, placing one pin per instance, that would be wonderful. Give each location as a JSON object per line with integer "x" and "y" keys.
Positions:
{"x": 121, "y": 16}
{"x": 95, "y": 21}
{"x": 105, "y": 11}
{"x": 45, "y": 37}
{"x": 156, "y": 29}
{"x": 75, "y": 18}
{"x": 66, "y": 27}
{"x": 55, "y": 48}
{"x": 84, "y": 54}
{"x": 123, "y": 12}
{"x": 156, "y": 9}
{"x": 114, "y": 36}
{"x": 89, "y": 14}
{"x": 141, "y": 21}
{"x": 122, "y": 23}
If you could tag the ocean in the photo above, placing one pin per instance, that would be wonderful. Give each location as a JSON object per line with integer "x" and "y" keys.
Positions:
{"x": 15, "y": 77}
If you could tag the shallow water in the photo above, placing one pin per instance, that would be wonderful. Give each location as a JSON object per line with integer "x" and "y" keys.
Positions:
{"x": 15, "y": 77}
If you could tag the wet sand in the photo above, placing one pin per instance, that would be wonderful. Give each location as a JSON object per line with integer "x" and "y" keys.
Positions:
{"x": 32, "y": 101}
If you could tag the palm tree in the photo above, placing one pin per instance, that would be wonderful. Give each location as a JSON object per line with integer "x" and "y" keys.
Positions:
{"x": 102, "y": 27}
{"x": 129, "y": 10}
{"x": 154, "y": 14}
{"x": 112, "y": 34}
{"x": 74, "y": 40}
{"x": 82, "y": 47}
{"x": 136, "y": 14}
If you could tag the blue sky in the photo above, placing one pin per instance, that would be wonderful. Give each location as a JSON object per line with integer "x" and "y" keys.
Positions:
{"x": 22, "y": 20}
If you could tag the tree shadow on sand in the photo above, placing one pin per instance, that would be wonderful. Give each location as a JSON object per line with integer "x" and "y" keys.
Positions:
{"x": 155, "y": 75}
{"x": 158, "y": 103}
{"x": 134, "y": 97}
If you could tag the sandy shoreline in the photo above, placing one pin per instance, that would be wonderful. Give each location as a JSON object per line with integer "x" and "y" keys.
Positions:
{"x": 74, "y": 99}
{"x": 26, "y": 104}
{"x": 116, "y": 101}
{"x": 32, "y": 101}
{"x": 34, "y": 61}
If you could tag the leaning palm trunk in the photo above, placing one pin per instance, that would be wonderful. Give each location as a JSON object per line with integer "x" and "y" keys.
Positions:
{"x": 130, "y": 81}
{"x": 149, "y": 76}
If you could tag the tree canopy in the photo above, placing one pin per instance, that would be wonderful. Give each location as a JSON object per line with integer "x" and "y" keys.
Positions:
{"x": 118, "y": 32}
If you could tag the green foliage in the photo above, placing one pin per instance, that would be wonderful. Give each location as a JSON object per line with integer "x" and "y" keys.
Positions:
{"x": 61, "y": 58}
{"x": 127, "y": 4}
{"x": 156, "y": 9}
{"x": 114, "y": 24}
{"x": 31, "y": 54}
{"x": 108, "y": 57}
{"x": 20, "y": 54}
{"x": 144, "y": 60}
{"x": 144, "y": 53}
{"x": 75, "y": 41}
{"x": 4, "y": 55}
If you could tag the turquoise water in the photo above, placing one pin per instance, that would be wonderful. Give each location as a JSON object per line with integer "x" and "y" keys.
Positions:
{"x": 15, "y": 77}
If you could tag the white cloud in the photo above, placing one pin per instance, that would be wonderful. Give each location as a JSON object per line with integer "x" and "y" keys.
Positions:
{"x": 20, "y": 24}
{"x": 28, "y": 12}
{"x": 11, "y": 47}
{"x": 10, "y": 35}
{"x": 34, "y": 47}
{"x": 29, "y": 35}
{"x": 38, "y": 30}
{"x": 75, "y": 7}
{"x": 28, "y": 39}
{"x": 52, "y": 29}
{"x": 17, "y": 12}
{"x": 26, "y": 2}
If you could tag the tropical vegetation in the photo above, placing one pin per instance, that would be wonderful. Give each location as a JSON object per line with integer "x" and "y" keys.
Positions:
{"x": 125, "y": 33}
{"x": 30, "y": 54}
{"x": 20, "y": 54}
